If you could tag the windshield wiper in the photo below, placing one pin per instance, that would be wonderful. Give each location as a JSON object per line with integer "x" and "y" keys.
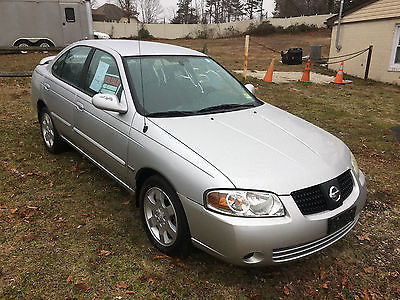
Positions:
{"x": 170, "y": 113}
{"x": 226, "y": 107}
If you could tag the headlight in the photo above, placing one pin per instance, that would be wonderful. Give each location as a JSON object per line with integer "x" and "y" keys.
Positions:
{"x": 245, "y": 203}
{"x": 354, "y": 164}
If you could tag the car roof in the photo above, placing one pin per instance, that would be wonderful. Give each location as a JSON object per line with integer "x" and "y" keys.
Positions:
{"x": 131, "y": 47}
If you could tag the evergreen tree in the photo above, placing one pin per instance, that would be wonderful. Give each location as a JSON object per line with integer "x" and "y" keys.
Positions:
{"x": 253, "y": 7}
{"x": 186, "y": 14}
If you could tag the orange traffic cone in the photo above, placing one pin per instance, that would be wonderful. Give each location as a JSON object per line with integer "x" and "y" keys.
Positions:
{"x": 270, "y": 72}
{"x": 339, "y": 75}
{"x": 306, "y": 74}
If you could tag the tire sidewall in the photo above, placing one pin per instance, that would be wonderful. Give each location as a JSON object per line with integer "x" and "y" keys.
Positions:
{"x": 57, "y": 144}
{"x": 182, "y": 241}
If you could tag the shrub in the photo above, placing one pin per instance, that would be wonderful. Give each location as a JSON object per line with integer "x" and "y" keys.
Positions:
{"x": 144, "y": 34}
{"x": 266, "y": 28}
{"x": 263, "y": 28}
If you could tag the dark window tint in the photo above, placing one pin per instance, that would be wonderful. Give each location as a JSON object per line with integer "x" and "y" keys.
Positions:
{"x": 103, "y": 76}
{"x": 58, "y": 65}
{"x": 69, "y": 14}
{"x": 73, "y": 64}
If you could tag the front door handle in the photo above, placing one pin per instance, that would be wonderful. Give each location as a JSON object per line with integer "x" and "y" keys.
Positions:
{"x": 46, "y": 86}
{"x": 80, "y": 106}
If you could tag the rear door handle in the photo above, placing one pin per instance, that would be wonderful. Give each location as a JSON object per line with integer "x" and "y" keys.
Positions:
{"x": 80, "y": 106}
{"x": 46, "y": 86}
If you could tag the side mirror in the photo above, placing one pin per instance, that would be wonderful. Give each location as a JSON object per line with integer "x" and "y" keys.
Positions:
{"x": 251, "y": 88}
{"x": 109, "y": 102}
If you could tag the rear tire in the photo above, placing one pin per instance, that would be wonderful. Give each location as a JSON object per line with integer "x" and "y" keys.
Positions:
{"x": 23, "y": 44}
{"x": 163, "y": 217}
{"x": 44, "y": 44}
{"x": 51, "y": 139}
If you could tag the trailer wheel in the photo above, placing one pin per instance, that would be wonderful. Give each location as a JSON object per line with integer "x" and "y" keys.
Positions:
{"x": 44, "y": 44}
{"x": 23, "y": 43}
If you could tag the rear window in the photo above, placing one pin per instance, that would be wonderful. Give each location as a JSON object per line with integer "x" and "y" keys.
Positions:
{"x": 69, "y": 14}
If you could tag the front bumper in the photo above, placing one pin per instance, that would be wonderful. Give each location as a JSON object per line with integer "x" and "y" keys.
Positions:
{"x": 265, "y": 241}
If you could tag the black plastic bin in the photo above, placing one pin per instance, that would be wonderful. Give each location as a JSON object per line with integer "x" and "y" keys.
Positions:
{"x": 293, "y": 56}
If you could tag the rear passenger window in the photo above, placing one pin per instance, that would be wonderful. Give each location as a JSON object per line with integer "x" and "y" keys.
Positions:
{"x": 103, "y": 76}
{"x": 69, "y": 14}
{"x": 70, "y": 69}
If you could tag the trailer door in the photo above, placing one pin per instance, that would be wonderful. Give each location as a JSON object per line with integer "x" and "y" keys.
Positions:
{"x": 70, "y": 19}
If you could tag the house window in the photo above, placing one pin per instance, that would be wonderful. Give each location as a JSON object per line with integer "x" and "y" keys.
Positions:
{"x": 69, "y": 14}
{"x": 395, "y": 58}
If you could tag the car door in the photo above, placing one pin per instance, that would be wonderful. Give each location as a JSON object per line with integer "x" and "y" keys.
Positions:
{"x": 59, "y": 87}
{"x": 104, "y": 134}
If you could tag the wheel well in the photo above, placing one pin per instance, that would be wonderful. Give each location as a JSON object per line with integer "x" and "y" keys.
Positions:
{"x": 51, "y": 44}
{"x": 23, "y": 40}
{"x": 40, "y": 106}
{"x": 141, "y": 177}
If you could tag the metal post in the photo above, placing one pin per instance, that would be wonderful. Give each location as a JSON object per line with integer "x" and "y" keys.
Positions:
{"x": 368, "y": 62}
{"x": 246, "y": 54}
{"x": 338, "y": 47}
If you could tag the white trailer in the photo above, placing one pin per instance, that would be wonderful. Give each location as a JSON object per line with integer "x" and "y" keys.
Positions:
{"x": 44, "y": 23}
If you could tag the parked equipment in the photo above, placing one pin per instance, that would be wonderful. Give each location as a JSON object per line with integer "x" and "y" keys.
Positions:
{"x": 315, "y": 52}
{"x": 293, "y": 56}
{"x": 44, "y": 23}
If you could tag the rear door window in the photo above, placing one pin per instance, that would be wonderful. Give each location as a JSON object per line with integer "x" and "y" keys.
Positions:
{"x": 103, "y": 75}
{"x": 70, "y": 68}
{"x": 69, "y": 14}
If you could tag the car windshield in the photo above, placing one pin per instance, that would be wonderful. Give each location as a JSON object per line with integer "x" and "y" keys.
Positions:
{"x": 168, "y": 86}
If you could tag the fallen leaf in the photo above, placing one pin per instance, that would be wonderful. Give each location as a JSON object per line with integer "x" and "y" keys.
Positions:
{"x": 322, "y": 274}
{"x": 286, "y": 290}
{"x": 122, "y": 285}
{"x": 160, "y": 256}
{"x": 69, "y": 279}
{"x": 151, "y": 280}
{"x": 368, "y": 270}
{"x": 104, "y": 253}
{"x": 324, "y": 285}
{"x": 51, "y": 183}
{"x": 129, "y": 292}
{"x": 344, "y": 282}
{"x": 82, "y": 286}
{"x": 364, "y": 237}
{"x": 125, "y": 203}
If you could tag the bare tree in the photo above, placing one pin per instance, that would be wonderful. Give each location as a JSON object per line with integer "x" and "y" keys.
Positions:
{"x": 93, "y": 3}
{"x": 150, "y": 10}
{"x": 128, "y": 8}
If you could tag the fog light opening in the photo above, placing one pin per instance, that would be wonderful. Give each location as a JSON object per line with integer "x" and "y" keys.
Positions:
{"x": 253, "y": 257}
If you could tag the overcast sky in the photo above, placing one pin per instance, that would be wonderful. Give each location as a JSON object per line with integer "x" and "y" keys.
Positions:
{"x": 169, "y": 6}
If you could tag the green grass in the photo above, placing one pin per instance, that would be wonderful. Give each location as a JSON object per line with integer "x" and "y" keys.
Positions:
{"x": 58, "y": 212}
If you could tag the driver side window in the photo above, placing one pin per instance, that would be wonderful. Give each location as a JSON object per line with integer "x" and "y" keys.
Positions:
{"x": 103, "y": 75}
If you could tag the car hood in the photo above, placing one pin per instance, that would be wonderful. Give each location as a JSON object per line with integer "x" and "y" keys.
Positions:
{"x": 263, "y": 148}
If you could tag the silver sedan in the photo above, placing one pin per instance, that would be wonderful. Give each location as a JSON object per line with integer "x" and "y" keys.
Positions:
{"x": 210, "y": 164}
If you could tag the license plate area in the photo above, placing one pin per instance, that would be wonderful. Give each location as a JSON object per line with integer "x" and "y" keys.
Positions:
{"x": 337, "y": 222}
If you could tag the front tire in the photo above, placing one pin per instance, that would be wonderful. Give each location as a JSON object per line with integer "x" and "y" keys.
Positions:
{"x": 51, "y": 139}
{"x": 163, "y": 217}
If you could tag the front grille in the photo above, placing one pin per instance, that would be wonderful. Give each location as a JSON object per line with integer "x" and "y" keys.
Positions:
{"x": 295, "y": 252}
{"x": 312, "y": 200}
